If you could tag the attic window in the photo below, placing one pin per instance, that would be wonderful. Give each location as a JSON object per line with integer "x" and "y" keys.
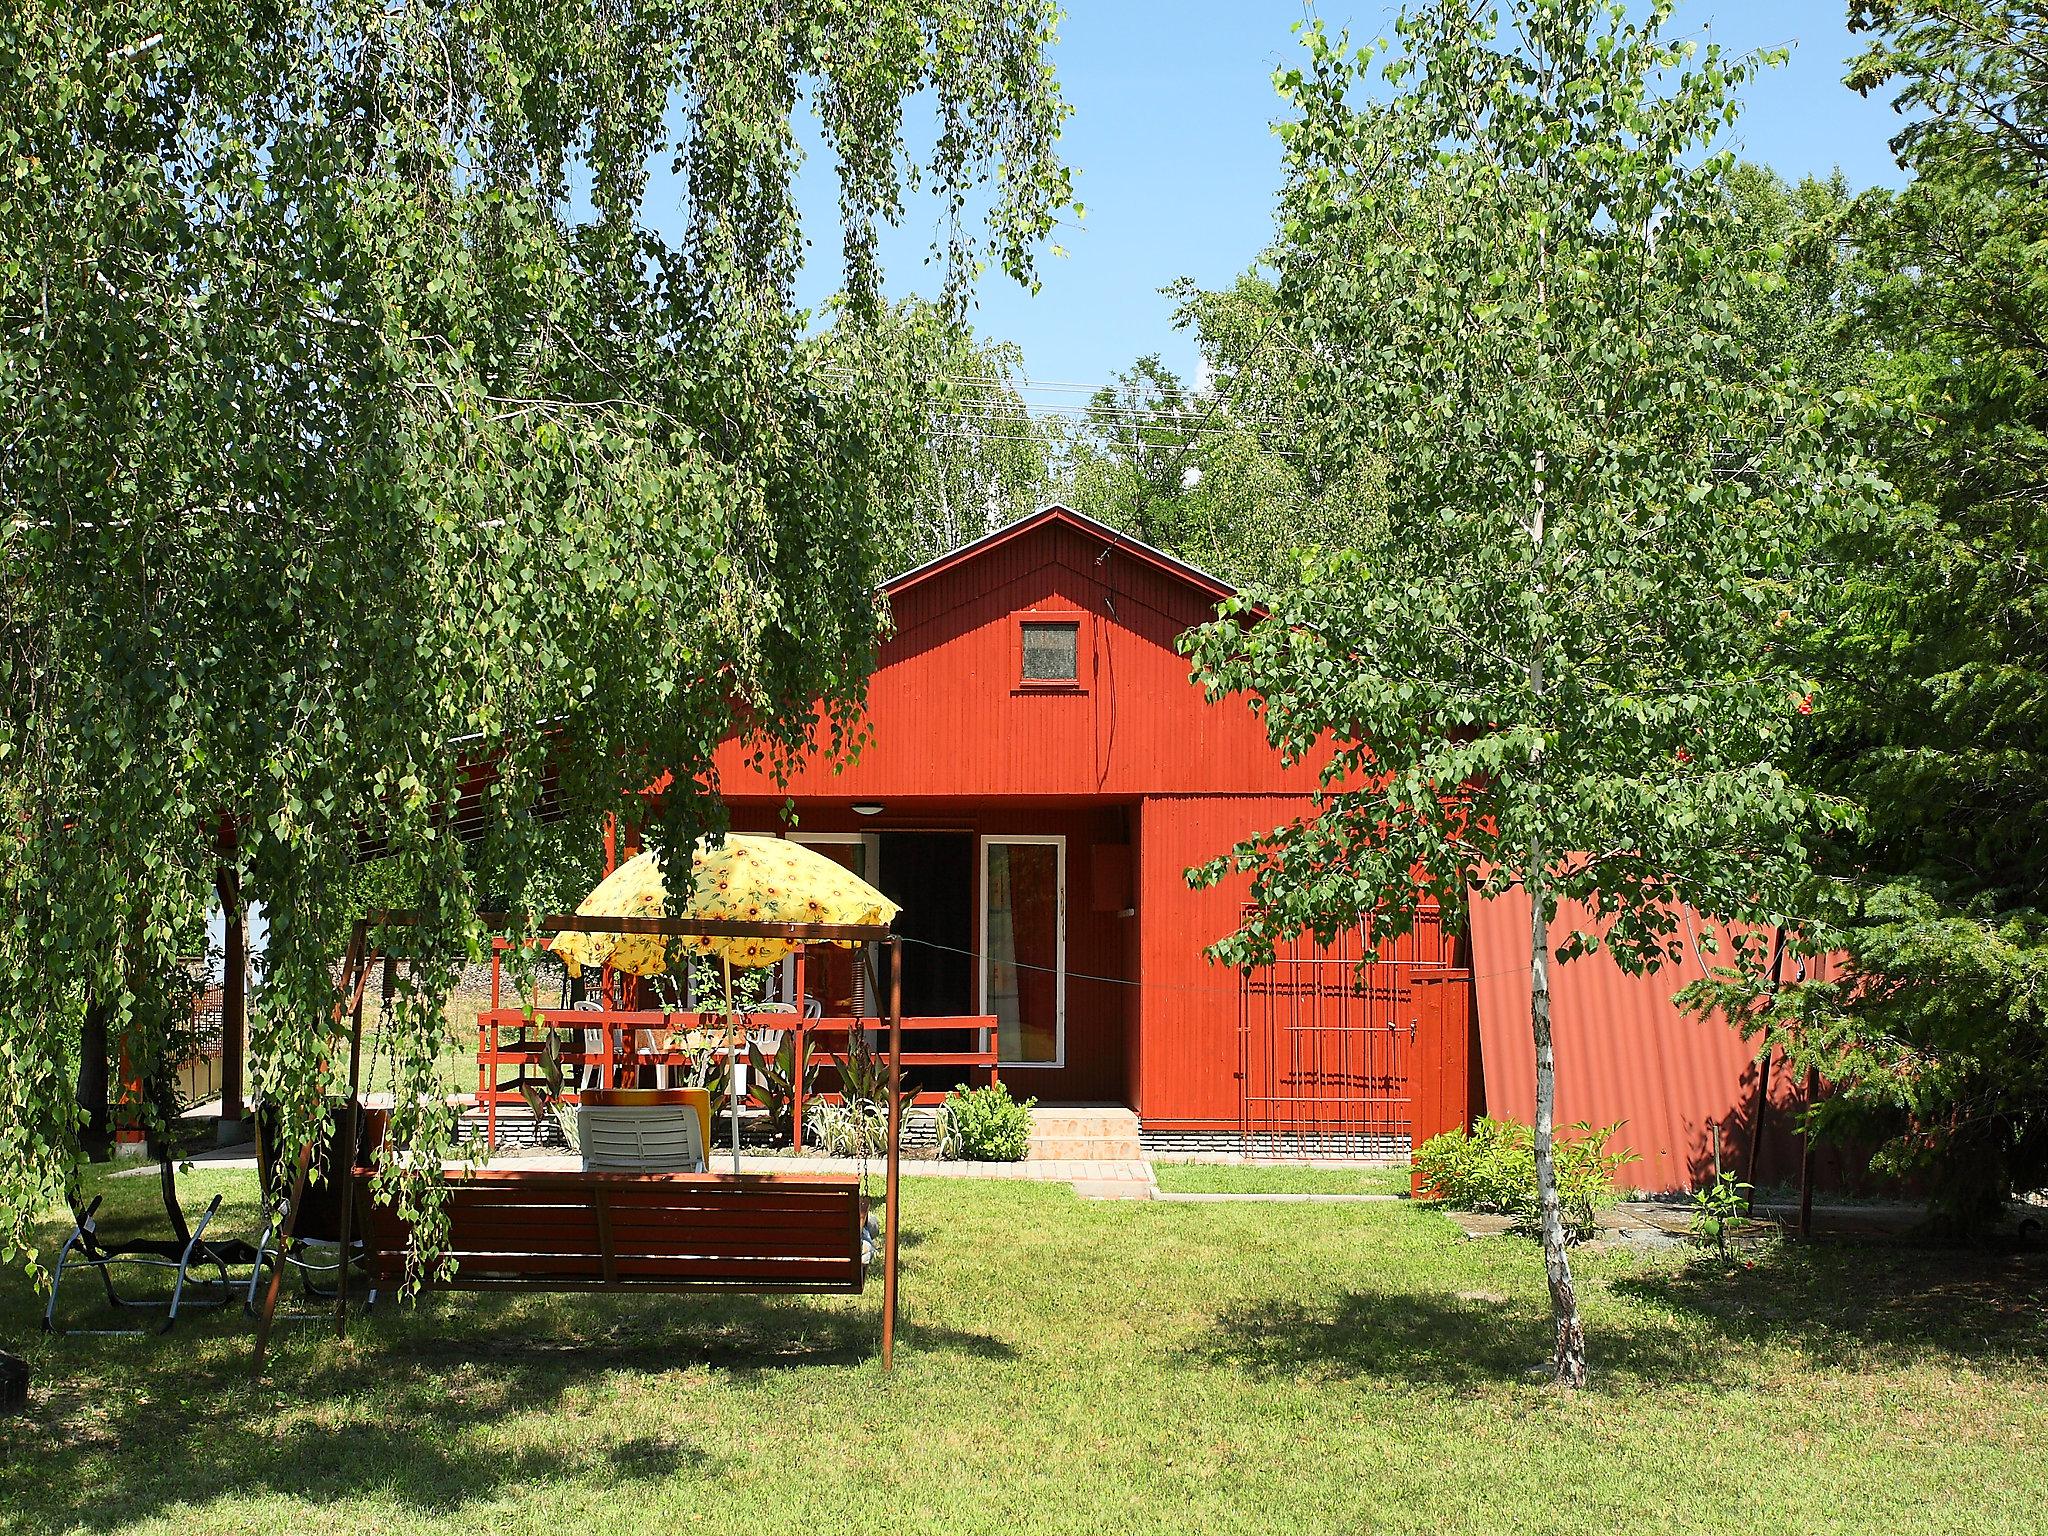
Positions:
{"x": 1052, "y": 653}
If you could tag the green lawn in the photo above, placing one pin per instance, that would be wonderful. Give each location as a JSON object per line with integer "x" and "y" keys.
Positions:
{"x": 1084, "y": 1367}
{"x": 1255, "y": 1179}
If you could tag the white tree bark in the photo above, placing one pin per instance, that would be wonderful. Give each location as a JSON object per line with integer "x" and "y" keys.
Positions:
{"x": 1568, "y": 1362}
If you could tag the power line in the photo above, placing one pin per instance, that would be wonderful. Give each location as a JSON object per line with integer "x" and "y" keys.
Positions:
{"x": 1230, "y": 988}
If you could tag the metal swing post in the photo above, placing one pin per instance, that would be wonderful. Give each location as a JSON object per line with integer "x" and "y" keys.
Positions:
{"x": 890, "y": 1188}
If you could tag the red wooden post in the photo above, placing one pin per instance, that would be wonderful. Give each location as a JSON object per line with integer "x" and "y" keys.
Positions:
{"x": 796, "y": 1059}
{"x": 129, "y": 1114}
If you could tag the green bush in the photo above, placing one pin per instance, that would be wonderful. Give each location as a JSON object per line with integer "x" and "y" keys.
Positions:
{"x": 992, "y": 1126}
{"x": 1493, "y": 1168}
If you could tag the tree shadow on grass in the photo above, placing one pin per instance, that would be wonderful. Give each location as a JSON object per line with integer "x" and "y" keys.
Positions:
{"x": 1412, "y": 1337}
{"x": 1892, "y": 1301}
{"x": 1697, "y": 1322}
{"x": 747, "y": 1335}
{"x": 407, "y": 1411}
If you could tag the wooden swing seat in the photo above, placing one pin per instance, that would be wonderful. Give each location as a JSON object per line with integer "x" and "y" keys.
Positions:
{"x": 516, "y": 1229}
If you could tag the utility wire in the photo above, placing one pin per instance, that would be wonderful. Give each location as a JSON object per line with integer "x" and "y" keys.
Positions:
{"x": 1232, "y": 990}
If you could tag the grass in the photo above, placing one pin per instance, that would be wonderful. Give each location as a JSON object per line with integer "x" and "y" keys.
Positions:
{"x": 1277, "y": 1179}
{"x": 1080, "y": 1366}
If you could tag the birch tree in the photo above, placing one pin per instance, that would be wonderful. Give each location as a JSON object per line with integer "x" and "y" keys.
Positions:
{"x": 1558, "y": 666}
{"x": 363, "y": 416}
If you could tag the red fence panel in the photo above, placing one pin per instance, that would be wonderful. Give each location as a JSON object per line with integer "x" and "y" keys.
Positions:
{"x": 1327, "y": 1036}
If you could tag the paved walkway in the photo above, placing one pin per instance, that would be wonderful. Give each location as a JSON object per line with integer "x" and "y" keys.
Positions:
{"x": 1271, "y": 1197}
{"x": 1093, "y": 1179}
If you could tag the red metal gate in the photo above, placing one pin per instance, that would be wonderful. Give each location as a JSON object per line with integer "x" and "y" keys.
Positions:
{"x": 1326, "y": 1036}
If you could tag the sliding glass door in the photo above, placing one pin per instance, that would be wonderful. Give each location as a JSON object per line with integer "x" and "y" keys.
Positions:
{"x": 1024, "y": 947}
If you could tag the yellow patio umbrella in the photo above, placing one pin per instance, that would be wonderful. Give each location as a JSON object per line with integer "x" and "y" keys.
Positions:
{"x": 743, "y": 879}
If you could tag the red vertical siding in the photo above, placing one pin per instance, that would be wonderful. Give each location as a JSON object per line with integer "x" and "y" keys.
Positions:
{"x": 948, "y": 717}
{"x": 954, "y": 740}
{"x": 1188, "y": 1005}
{"x": 1625, "y": 1052}
{"x": 1135, "y": 756}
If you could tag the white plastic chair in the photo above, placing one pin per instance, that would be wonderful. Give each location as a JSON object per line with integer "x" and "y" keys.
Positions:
{"x": 595, "y": 1045}
{"x": 643, "y": 1138}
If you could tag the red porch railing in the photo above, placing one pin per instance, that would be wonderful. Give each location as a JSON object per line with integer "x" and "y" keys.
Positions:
{"x": 632, "y": 1039}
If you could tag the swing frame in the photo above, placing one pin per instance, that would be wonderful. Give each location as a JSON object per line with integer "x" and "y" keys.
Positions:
{"x": 362, "y": 956}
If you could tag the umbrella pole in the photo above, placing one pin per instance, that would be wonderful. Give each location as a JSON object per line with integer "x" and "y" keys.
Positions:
{"x": 732, "y": 1062}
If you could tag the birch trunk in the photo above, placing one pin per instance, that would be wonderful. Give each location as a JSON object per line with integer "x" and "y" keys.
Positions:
{"x": 1568, "y": 1362}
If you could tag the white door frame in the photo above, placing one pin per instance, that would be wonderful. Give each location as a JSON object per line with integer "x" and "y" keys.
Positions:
{"x": 1057, "y": 840}
{"x": 870, "y": 844}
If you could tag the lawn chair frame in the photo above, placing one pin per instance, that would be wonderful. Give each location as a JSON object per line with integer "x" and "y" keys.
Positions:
{"x": 81, "y": 1250}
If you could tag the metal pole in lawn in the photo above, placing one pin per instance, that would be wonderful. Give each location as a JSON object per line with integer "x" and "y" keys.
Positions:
{"x": 895, "y": 1176}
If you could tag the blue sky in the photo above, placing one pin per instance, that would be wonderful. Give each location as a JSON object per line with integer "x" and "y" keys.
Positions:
{"x": 1178, "y": 167}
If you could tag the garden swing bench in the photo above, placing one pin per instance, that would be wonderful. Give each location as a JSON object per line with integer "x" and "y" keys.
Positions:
{"x": 551, "y": 1230}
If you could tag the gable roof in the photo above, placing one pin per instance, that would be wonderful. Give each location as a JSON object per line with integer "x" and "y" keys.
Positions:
{"x": 1213, "y": 588}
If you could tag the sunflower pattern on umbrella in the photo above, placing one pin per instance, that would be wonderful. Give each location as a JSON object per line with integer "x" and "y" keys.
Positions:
{"x": 745, "y": 878}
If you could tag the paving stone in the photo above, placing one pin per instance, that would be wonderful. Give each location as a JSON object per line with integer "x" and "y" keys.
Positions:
{"x": 1482, "y": 1223}
{"x": 1112, "y": 1189}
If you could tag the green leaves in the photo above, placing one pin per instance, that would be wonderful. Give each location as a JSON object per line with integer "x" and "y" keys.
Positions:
{"x": 1932, "y": 704}
{"x": 1518, "y": 284}
{"x": 353, "y": 466}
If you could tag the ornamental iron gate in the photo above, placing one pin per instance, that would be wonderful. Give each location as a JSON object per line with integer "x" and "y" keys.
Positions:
{"x": 1326, "y": 1038}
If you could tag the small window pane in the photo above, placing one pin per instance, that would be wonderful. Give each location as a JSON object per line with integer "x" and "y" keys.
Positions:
{"x": 1051, "y": 653}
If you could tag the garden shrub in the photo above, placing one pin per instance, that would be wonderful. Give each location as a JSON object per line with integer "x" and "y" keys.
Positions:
{"x": 1493, "y": 1168}
{"x": 854, "y": 1128}
{"x": 992, "y": 1126}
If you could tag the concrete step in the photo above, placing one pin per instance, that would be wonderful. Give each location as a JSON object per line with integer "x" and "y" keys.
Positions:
{"x": 1066, "y": 1124}
{"x": 1105, "y": 1134}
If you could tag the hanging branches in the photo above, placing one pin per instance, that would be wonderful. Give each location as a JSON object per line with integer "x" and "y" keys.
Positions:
{"x": 361, "y": 404}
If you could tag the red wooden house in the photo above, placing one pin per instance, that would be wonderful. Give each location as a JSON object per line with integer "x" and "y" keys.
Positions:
{"x": 1040, "y": 775}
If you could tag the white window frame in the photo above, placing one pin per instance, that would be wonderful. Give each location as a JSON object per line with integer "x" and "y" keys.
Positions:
{"x": 871, "y": 842}
{"x": 1059, "y": 841}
